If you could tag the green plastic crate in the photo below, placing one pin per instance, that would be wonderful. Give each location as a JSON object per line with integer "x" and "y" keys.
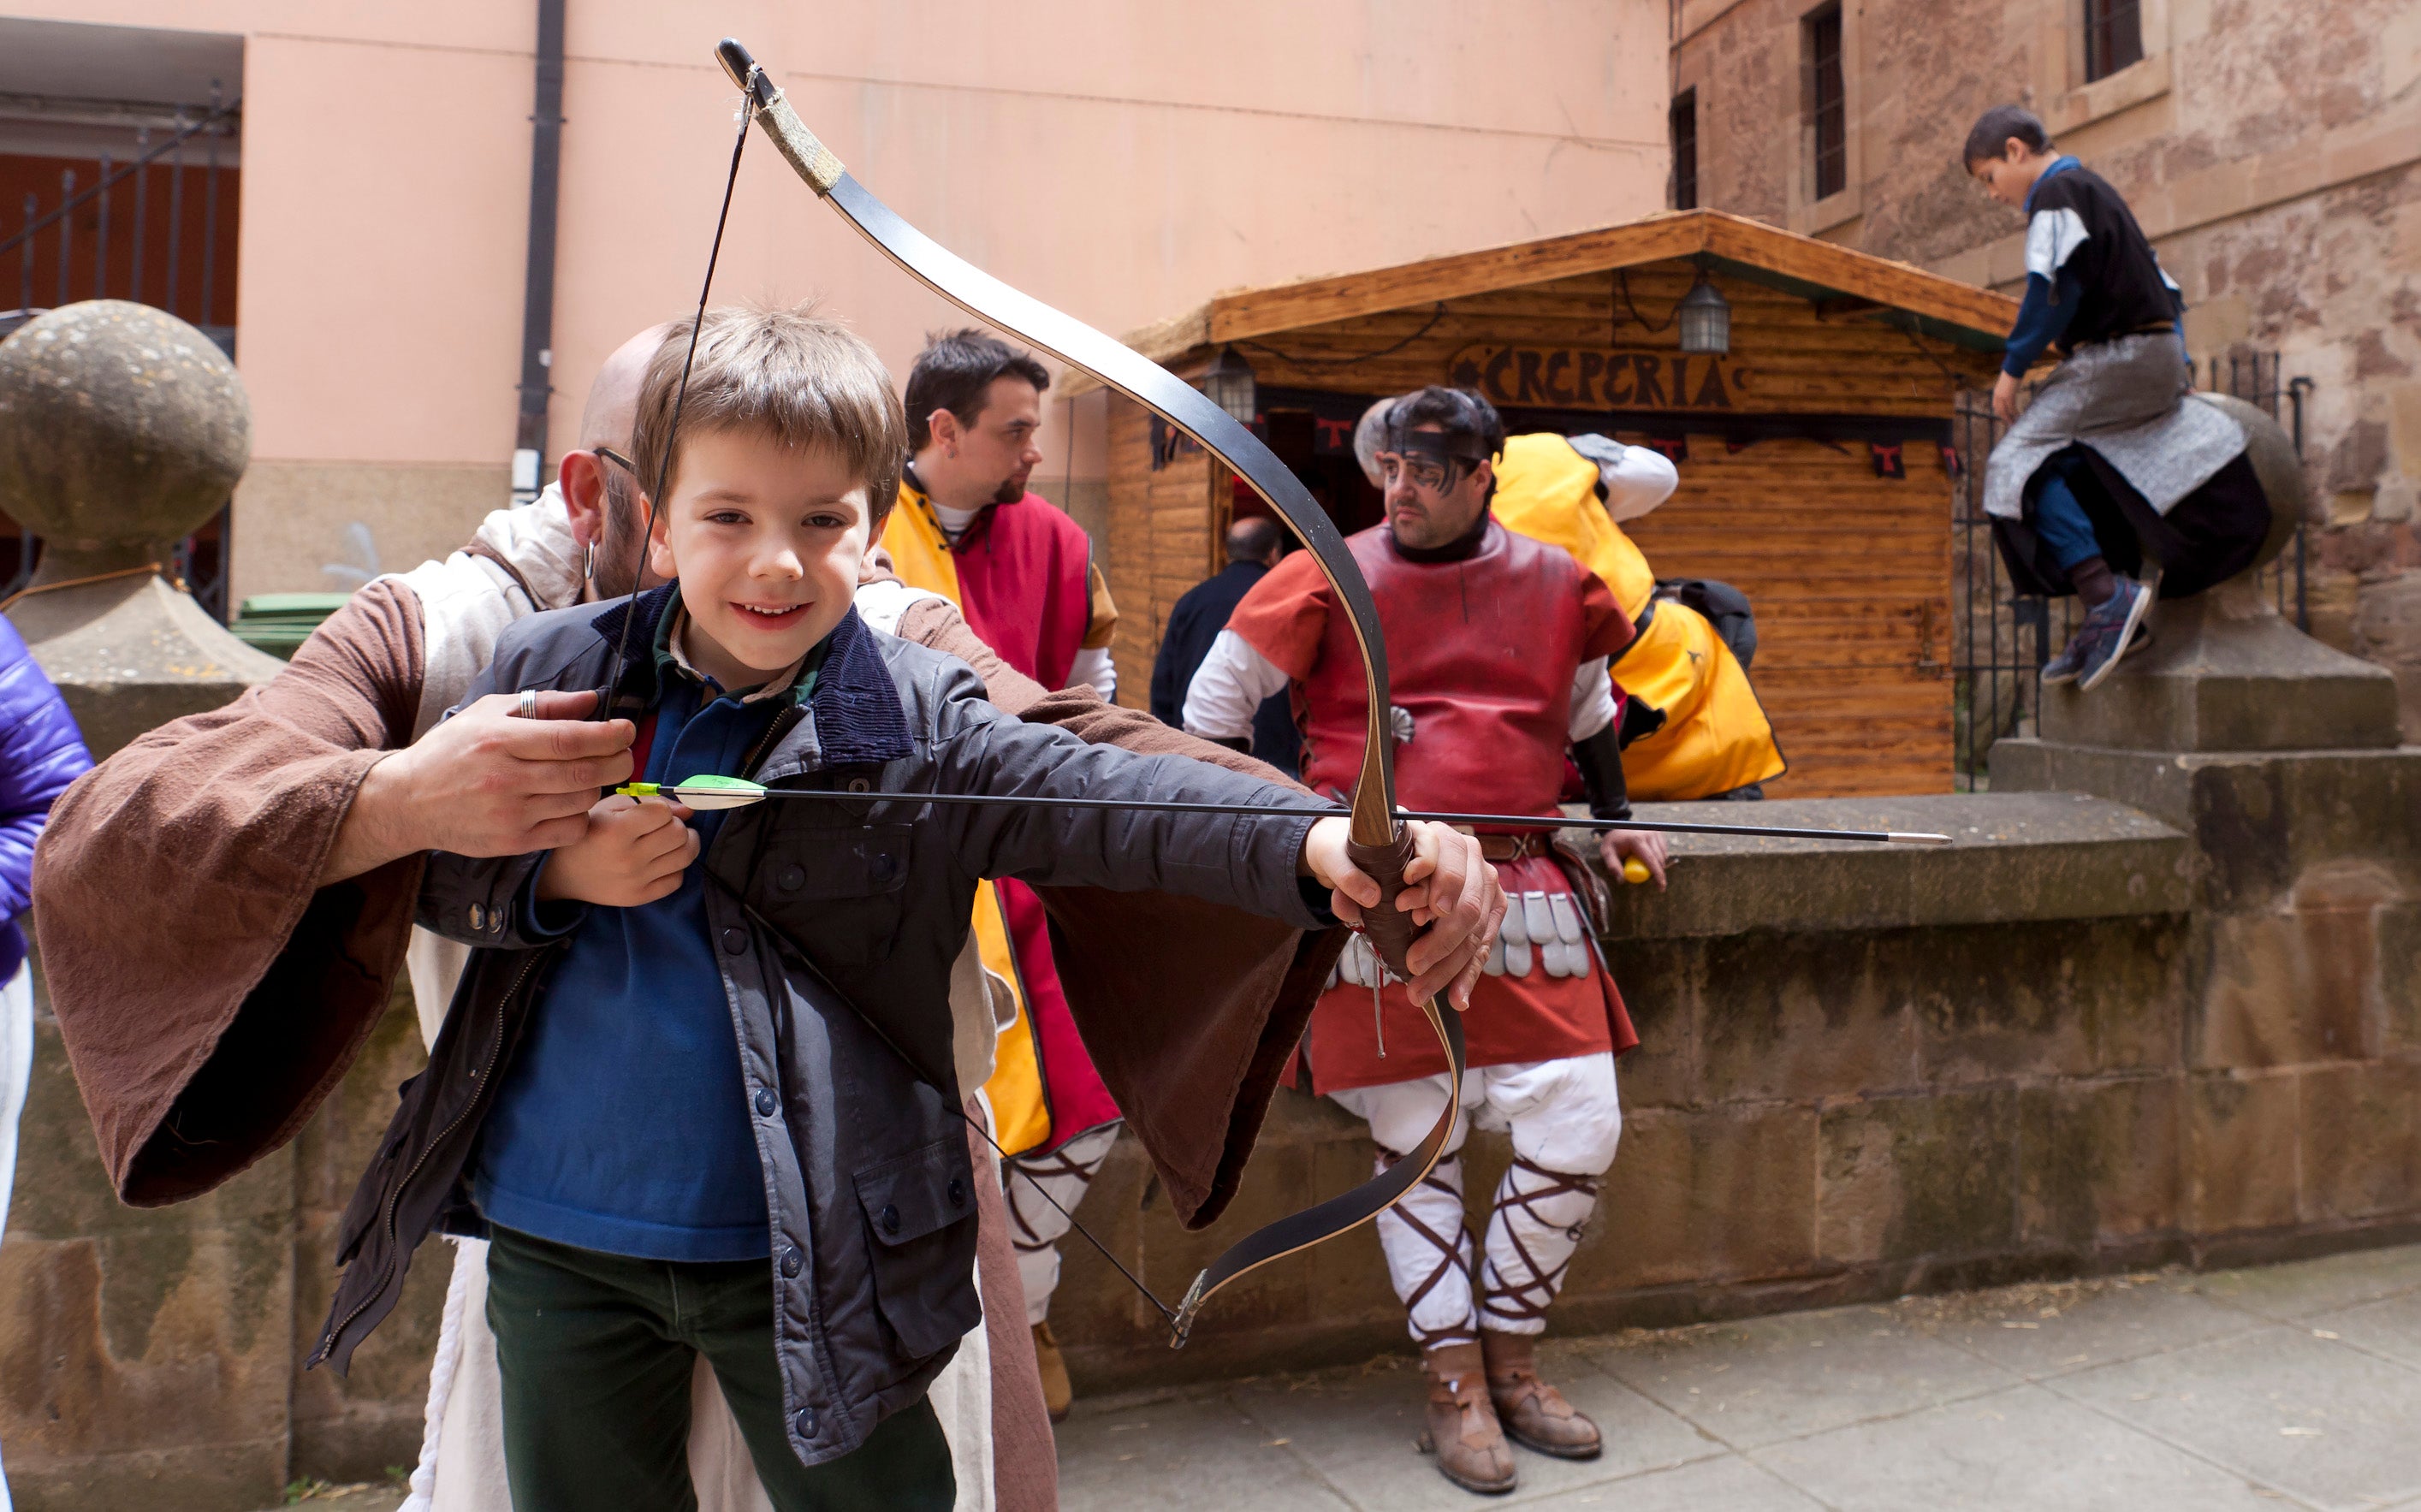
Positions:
{"x": 279, "y": 622}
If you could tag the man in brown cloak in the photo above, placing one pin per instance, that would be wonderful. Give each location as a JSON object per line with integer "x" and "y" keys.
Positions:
{"x": 223, "y": 906}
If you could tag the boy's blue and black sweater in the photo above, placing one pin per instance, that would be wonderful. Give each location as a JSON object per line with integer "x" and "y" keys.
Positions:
{"x": 2090, "y": 274}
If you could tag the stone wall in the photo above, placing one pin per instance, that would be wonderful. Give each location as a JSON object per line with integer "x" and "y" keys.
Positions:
{"x": 1867, "y": 1072}
{"x": 2272, "y": 151}
{"x": 2090, "y": 1035}
{"x": 152, "y": 1357}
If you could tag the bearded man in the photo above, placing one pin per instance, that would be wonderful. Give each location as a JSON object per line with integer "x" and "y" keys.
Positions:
{"x": 1498, "y": 647}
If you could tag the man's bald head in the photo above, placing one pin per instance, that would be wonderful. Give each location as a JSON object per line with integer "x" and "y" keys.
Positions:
{"x": 607, "y": 515}
{"x": 614, "y": 398}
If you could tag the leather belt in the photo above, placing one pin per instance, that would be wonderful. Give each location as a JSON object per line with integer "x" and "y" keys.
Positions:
{"x": 1516, "y": 847}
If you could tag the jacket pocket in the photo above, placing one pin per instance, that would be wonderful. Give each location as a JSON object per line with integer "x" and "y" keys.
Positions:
{"x": 920, "y": 1212}
{"x": 835, "y": 891}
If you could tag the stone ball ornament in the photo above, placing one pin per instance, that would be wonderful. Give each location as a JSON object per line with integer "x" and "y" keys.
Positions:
{"x": 122, "y": 428}
{"x": 2272, "y": 452}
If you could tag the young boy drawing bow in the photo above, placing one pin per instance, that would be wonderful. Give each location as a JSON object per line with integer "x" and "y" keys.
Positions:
{"x": 694, "y": 1047}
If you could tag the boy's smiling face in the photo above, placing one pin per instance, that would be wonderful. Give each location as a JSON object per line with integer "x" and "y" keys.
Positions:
{"x": 766, "y": 540}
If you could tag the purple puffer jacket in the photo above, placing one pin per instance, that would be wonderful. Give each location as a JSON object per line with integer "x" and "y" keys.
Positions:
{"x": 41, "y": 751}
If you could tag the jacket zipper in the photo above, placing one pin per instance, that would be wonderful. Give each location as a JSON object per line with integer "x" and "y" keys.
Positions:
{"x": 395, "y": 1194}
{"x": 781, "y": 724}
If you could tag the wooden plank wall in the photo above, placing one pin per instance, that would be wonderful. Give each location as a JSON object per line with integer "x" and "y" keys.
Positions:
{"x": 1850, "y": 572}
{"x": 1850, "y": 575}
{"x": 1162, "y": 527}
{"x": 1801, "y": 363}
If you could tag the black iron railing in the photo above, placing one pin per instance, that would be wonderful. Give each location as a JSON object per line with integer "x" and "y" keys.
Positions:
{"x": 2002, "y": 638}
{"x": 137, "y": 247}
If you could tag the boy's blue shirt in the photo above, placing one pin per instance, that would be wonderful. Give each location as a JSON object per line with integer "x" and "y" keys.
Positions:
{"x": 621, "y": 1126}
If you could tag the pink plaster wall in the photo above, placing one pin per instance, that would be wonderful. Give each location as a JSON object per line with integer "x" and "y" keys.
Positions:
{"x": 1124, "y": 161}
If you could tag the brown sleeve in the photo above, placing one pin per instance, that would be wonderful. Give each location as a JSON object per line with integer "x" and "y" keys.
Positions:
{"x": 209, "y": 992}
{"x": 1231, "y": 993}
{"x": 936, "y": 624}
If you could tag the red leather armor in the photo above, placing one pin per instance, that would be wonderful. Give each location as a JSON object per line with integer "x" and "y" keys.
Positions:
{"x": 1481, "y": 654}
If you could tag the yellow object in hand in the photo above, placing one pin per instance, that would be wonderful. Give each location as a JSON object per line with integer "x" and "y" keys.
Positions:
{"x": 1633, "y": 869}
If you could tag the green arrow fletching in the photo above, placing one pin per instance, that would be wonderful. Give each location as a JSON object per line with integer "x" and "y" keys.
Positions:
{"x": 702, "y": 792}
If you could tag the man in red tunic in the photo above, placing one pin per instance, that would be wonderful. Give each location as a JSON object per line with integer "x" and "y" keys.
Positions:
{"x": 1022, "y": 573}
{"x": 1498, "y": 645}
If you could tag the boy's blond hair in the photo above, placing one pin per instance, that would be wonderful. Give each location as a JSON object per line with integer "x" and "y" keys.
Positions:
{"x": 805, "y": 380}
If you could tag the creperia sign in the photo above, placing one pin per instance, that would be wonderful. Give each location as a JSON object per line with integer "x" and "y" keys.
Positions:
{"x": 1599, "y": 378}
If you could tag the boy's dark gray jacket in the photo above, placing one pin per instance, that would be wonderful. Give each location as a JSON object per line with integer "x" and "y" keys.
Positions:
{"x": 837, "y": 923}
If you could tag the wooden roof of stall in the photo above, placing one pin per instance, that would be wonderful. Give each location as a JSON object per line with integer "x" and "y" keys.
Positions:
{"x": 1838, "y": 280}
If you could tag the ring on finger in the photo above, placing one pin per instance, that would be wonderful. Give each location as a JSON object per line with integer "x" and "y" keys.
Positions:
{"x": 528, "y": 707}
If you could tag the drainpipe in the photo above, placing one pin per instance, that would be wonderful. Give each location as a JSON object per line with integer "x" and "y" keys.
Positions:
{"x": 538, "y": 298}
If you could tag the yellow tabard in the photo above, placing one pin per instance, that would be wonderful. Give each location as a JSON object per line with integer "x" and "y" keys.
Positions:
{"x": 1716, "y": 736}
{"x": 1020, "y": 1110}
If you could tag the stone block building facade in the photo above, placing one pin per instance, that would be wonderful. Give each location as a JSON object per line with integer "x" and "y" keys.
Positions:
{"x": 2272, "y": 151}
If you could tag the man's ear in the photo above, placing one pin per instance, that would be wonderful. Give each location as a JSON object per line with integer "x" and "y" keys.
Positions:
{"x": 582, "y": 477}
{"x": 660, "y": 550}
{"x": 946, "y": 432}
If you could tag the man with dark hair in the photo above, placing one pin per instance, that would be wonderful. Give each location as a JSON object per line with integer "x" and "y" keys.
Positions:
{"x": 2111, "y": 430}
{"x": 1023, "y": 574}
{"x": 1498, "y": 645}
{"x": 1255, "y": 544}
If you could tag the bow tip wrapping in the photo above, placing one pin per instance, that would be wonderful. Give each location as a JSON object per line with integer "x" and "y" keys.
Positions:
{"x": 1181, "y": 1323}
{"x": 737, "y": 60}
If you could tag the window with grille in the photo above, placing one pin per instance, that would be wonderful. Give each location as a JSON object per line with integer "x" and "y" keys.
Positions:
{"x": 1828, "y": 106}
{"x": 2114, "y": 36}
{"x": 1684, "y": 121}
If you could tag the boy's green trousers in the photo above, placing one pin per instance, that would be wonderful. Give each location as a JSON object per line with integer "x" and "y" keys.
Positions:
{"x": 597, "y": 1351}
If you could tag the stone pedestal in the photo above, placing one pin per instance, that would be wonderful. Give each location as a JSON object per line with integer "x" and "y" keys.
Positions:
{"x": 132, "y": 653}
{"x": 146, "y": 1355}
{"x": 2224, "y": 673}
{"x": 2278, "y": 758}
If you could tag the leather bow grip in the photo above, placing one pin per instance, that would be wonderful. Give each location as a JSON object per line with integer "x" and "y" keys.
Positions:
{"x": 1390, "y": 928}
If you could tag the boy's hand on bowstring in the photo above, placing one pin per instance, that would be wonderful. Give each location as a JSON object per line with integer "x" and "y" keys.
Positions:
{"x": 634, "y": 852}
{"x": 1448, "y": 886}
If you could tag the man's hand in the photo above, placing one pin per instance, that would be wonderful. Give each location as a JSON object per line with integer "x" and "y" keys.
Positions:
{"x": 485, "y": 783}
{"x": 2005, "y": 398}
{"x": 634, "y": 852}
{"x": 1646, "y": 846}
{"x": 1448, "y": 885}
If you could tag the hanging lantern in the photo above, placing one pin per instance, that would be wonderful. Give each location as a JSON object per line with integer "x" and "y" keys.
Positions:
{"x": 1706, "y": 319}
{"x": 1230, "y": 385}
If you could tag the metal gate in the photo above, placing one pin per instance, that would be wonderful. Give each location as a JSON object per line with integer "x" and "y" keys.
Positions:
{"x": 2002, "y": 638}
{"x": 146, "y": 229}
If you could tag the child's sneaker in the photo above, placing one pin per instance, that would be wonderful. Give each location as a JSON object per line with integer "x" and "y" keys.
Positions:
{"x": 2108, "y": 633}
{"x": 2070, "y": 660}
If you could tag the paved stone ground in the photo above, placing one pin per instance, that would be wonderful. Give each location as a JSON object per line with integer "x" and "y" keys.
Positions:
{"x": 2290, "y": 1386}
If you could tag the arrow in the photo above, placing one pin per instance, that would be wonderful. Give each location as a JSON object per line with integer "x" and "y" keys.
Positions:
{"x": 711, "y": 792}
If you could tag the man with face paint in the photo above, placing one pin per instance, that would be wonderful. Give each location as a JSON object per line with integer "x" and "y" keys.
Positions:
{"x": 1498, "y": 648}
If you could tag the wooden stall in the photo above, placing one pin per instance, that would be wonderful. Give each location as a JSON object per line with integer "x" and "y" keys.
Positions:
{"x": 1815, "y": 455}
